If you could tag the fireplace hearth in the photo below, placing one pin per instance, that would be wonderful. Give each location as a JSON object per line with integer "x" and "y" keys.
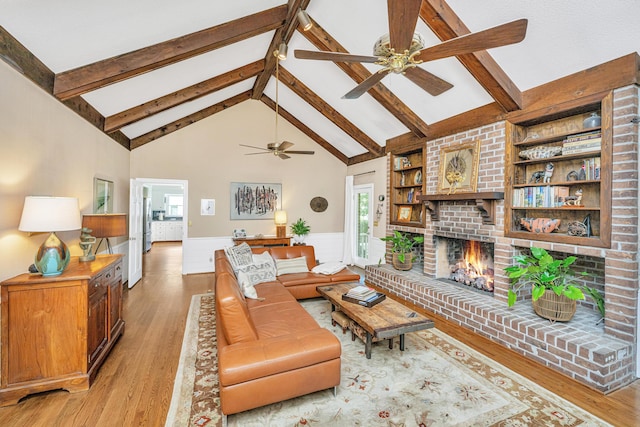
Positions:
{"x": 466, "y": 262}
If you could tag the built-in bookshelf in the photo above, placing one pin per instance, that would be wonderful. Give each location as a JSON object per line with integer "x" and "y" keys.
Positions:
{"x": 407, "y": 183}
{"x": 558, "y": 167}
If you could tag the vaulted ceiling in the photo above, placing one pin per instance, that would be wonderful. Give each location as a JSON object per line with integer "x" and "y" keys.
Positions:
{"x": 140, "y": 70}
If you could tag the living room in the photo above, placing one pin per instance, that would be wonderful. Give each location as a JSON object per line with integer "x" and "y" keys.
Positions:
{"x": 51, "y": 150}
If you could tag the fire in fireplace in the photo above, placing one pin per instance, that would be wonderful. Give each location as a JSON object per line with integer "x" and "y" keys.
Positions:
{"x": 468, "y": 262}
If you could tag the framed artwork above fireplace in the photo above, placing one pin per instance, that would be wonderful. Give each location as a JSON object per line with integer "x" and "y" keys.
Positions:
{"x": 459, "y": 168}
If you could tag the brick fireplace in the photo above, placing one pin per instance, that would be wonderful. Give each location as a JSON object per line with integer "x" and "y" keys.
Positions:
{"x": 601, "y": 354}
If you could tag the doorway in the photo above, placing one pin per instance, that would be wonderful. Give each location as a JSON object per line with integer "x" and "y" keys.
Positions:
{"x": 137, "y": 219}
{"x": 363, "y": 205}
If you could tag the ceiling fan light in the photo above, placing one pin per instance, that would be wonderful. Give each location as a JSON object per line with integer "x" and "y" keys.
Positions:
{"x": 281, "y": 53}
{"x": 304, "y": 20}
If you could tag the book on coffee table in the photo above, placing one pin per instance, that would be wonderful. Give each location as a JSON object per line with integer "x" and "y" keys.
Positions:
{"x": 370, "y": 302}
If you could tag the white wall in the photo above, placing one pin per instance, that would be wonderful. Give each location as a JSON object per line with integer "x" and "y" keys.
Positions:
{"x": 208, "y": 155}
{"x": 47, "y": 149}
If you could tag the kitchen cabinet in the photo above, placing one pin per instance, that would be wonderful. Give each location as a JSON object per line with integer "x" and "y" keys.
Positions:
{"x": 166, "y": 231}
{"x": 57, "y": 331}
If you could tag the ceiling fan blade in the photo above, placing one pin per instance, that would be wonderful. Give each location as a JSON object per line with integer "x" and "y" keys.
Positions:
{"x": 434, "y": 85}
{"x": 257, "y": 148}
{"x": 283, "y": 156}
{"x": 502, "y": 35}
{"x": 366, "y": 84}
{"x": 403, "y": 15}
{"x": 300, "y": 152}
{"x": 284, "y": 145}
{"x": 253, "y": 154}
{"x": 333, "y": 56}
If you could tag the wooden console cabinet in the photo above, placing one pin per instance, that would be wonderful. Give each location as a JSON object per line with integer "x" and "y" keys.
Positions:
{"x": 57, "y": 331}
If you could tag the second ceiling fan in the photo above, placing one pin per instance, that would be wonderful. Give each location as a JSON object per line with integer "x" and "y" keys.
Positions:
{"x": 278, "y": 149}
{"x": 402, "y": 49}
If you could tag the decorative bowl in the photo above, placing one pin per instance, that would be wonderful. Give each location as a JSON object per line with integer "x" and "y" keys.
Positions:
{"x": 540, "y": 225}
{"x": 540, "y": 152}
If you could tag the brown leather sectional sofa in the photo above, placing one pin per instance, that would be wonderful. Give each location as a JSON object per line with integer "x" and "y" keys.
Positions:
{"x": 270, "y": 349}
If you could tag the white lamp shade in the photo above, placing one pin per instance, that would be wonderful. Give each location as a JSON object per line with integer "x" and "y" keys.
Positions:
{"x": 42, "y": 214}
{"x": 280, "y": 217}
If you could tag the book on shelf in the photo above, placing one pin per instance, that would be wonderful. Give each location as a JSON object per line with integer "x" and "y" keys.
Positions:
{"x": 542, "y": 196}
{"x": 583, "y": 136}
{"x": 581, "y": 149}
{"x": 377, "y": 298}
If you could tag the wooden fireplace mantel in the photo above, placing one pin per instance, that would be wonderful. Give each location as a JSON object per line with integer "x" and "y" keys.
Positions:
{"x": 485, "y": 202}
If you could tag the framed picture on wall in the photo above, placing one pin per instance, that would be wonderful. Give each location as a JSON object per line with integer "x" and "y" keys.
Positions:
{"x": 459, "y": 168}
{"x": 404, "y": 213}
{"x": 255, "y": 200}
{"x": 102, "y": 196}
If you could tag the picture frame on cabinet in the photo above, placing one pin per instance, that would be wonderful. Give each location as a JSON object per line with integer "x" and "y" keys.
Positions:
{"x": 459, "y": 168}
{"x": 404, "y": 213}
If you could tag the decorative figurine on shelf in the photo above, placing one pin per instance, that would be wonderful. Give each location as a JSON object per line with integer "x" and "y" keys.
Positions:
{"x": 540, "y": 225}
{"x": 86, "y": 242}
{"x": 406, "y": 163}
{"x": 543, "y": 176}
{"x": 402, "y": 179}
{"x": 574, "y": 200}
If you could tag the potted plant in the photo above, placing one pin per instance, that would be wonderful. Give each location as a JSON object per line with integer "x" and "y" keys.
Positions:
{"x": 401, "y": 245}
{"x": 300, "y": 229}
{"x": 545, "y": 273}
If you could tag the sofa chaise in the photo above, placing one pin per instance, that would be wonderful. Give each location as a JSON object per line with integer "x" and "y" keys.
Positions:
{"x": 269, "y": 348}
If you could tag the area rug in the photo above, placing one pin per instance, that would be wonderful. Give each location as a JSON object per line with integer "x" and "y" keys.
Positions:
{"x": 436, "y": 381}
{"x": 196, "y": 397}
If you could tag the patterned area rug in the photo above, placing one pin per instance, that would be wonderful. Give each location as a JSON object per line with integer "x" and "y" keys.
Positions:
{"x": 196, "y": 397}
{"x": 436, "y": 381}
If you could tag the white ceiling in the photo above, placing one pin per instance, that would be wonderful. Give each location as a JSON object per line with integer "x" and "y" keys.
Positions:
{"x": 563, "y": 37}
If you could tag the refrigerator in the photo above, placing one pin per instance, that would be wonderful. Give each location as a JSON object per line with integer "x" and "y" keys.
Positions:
{"x": 146, "y": 226}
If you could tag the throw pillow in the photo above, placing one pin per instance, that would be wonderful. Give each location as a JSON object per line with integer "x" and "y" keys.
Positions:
{"x": 239, "y": 256}
{"x": 258, "y": 273}
{"x": 329, "y": 267}
{"x": 292, "y": 265}
{"x": 265, "y": 258}
{"x": 245, "y": 285}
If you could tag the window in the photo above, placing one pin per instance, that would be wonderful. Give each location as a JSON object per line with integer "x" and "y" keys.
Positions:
{"x": 173, "y": 204}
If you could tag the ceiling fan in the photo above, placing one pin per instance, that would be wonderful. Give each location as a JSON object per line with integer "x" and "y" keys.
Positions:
{"x": 277, "y": 149}
{"x": 402, "y": 50}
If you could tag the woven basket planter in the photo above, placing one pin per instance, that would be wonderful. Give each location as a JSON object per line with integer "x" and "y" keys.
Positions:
{"x": 402, "y": 266}
{"x": 554, "y": 307}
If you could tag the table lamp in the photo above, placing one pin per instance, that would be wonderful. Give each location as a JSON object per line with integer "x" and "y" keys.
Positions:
{"x": 104, "y": 226}
{"x": 51, "y": 214}
{"x": 280, "y": 218}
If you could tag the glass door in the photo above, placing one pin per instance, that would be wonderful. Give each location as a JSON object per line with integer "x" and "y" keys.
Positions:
{"x": 363, "y": 230}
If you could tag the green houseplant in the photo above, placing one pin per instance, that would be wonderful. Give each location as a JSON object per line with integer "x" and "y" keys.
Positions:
{"x": 401, "y": 245}
{"x": 300, "y": 229}
{"x": 544, "y": 273}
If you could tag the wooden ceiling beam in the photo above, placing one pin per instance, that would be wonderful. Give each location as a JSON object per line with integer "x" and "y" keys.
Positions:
{"x": 186, "y": 121}
{"x": 321, "y": 39}
{"x": 445, "y": 24}
{"x": 329, "y": 112}
{"x": 26, "y": 63}
{"x": 142, "y": 111}
{"x": 305, "y": 129}
{"x": 93, "y": 76}
{"x": 283, "y": 34}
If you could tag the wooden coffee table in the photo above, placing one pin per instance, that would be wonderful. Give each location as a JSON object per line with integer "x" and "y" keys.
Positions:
{"x": 384, "y": 320}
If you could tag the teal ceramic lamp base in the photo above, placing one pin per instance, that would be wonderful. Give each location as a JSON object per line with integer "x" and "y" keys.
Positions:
{"x": 52, "y": 257}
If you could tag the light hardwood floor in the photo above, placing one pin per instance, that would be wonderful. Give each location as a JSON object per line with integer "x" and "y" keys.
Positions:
{"x": 134, "y": 386}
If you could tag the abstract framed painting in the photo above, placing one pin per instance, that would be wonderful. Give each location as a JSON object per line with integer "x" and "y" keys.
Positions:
{"x": 255, "y": 200}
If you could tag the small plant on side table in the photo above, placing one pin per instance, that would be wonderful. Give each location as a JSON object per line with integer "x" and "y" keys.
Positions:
{"x": 300, "y": 229}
